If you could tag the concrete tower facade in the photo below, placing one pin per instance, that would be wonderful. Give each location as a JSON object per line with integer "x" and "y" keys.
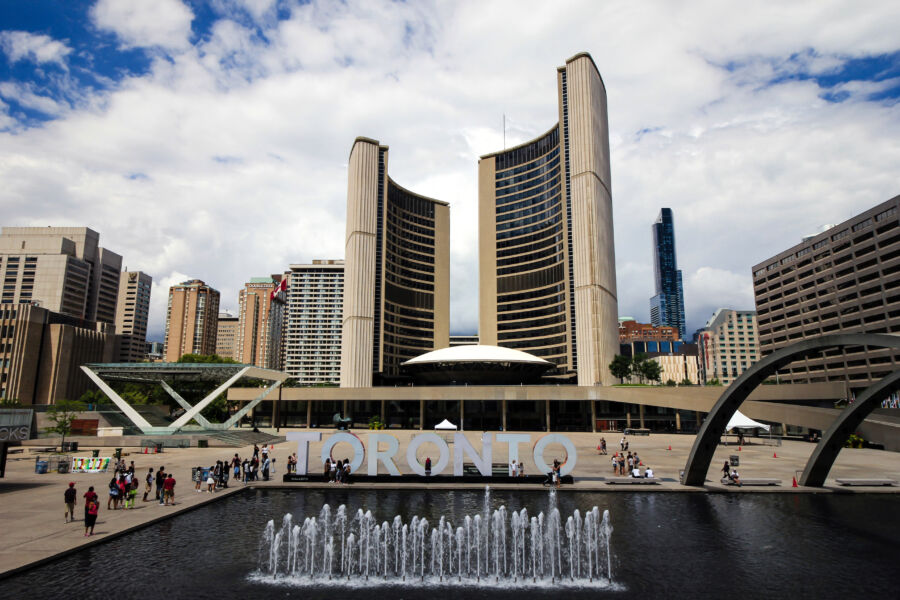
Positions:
{"x": 191, "y": 320}
{"x": 547, "y": 279}
{"x": 397, "y": 271}
{"x": 132, "y": 314}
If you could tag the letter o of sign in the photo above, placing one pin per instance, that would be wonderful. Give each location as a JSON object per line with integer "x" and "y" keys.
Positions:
{"x": 443, "y": 449}
{"x": 359, "y": 451}
{"x": 568, "y": 464}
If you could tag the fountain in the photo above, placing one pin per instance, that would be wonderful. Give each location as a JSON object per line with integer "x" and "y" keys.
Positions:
{"x": 499, "y": 547}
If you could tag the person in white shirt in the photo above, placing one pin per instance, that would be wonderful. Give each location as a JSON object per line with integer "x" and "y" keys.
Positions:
{"x": 648, "y": 473}
{"x": 513, "y": 469}
{"x": 636, "y": 472}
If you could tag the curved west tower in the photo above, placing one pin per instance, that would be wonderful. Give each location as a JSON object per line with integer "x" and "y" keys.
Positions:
{"x": 547, "y": 279}
{"x": 396, "y": 273}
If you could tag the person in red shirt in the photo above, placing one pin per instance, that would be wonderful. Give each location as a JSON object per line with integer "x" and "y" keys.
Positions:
{"x": 169, "y": 489}
{"x": 88, "y": 496}
{"x": 90, "y": 518}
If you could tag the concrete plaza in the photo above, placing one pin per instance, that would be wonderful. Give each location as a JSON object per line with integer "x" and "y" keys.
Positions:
{"x": 30, "y": 504}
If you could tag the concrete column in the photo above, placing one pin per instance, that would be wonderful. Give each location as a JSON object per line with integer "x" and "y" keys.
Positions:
{"x": 593, "y": 416}
{"x": 628, "y": 419}
{"x": 503, "y": 412}
{"x": 382, "y": 410}
{"x": 276, "y": 404}
{"x": 547, "y": 415}
{"x": 421, "y": 415}
{"x": 698, "y": 418}
{"x": 462, "y": 413}
{"x": 677, "y": 421}
{"x": 344, "y": 409}
{"x": 641, "y": 413}
{"x": 308, "y": 414}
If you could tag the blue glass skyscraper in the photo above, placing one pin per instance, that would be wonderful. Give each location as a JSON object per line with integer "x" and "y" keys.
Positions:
{"x": 667, "y": 306}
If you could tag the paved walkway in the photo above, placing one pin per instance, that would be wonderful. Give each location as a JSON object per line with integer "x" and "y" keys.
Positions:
{"x": 31, "y": 504}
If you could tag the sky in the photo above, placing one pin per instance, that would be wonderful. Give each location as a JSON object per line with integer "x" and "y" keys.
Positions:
{"x": 209, "y": 139}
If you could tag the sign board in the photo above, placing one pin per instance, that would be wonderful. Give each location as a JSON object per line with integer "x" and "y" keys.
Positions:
{"x": 462, "y": 448}
{"x": 89, "y": 464}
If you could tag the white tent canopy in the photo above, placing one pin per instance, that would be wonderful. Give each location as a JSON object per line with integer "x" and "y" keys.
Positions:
{"x": 741, "y": 421}
{"x": 445, "y": 424}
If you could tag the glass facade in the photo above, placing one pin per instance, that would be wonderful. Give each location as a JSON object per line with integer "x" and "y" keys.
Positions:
{"x": 667, "y": 306}
{"x": 405, "y": 291}
{"x": 533, "y": 296}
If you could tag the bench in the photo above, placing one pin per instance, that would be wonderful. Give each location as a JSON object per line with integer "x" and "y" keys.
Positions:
{"x": 752, "y": 481}
{"x": 869, "y": 482}
{"x": 630, "y": 431}
{"x": 632, "y": 481}
{"x": 497, "y": 469}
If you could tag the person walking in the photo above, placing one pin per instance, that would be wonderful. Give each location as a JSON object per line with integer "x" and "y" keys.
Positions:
{"x": 149, "y": 487}
{"x": 161, "y": 482}
{"x": 90, "y": 519}
{"x": 169, "y": 489}
{"x": 267, "y": 464}
{"x": 89, "y": 496}
{"x": 160, "y": 477}
{"x": 69, "y": 497}
{"x": 726, "y": 470}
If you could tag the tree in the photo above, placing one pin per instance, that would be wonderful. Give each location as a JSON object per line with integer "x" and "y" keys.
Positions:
{"x": 206, "y": 358}
{"x": 714, "y": 381}
{"x": 651, "y": 370}
{"x": 620, "y": 367}
{"x": 10, "y": 403}
{"x": 61, "y": 415}
{"x": 686, "y": 381}
{"x": 637, "y": 365}
{"x": 671, "y": 383}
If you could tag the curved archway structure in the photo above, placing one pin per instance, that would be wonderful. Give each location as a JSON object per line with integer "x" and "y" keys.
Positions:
{"x": 826, "y": 451}
{"x": 705, "y": 445}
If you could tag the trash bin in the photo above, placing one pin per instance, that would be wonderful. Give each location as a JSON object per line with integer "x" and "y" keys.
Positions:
{"x": 118, "y": 453}
{"x": 95, "y": 453}
{"x": 159, "y": 447}
{"x": 62, "y": 467}
{"x": 203, "y": 443}
{"x": 40, "y": 466}
{"x": 734, "y": 460}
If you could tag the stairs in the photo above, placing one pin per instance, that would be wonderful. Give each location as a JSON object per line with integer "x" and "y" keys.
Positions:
{"x": 236, "y": 439}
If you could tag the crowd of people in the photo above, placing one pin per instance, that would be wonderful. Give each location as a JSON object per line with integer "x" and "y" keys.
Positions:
{"x": 337, "y": 471}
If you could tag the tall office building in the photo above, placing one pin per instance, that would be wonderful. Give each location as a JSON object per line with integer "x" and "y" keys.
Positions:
{"x": 397, "y": 272}
{"x": 191, "y": 320}
{"x": 728, "y": 345}
{"x": 132, "y": 314}
{"x": 63, "y": 269}
{"x": 547, "y": 279}
{"x": 226, "y": 335}
{"x": 261, "y": 318}
{"x": 845, "y": 279}
{"x": 312, "y": 340}
{"x": 667, "y": 306}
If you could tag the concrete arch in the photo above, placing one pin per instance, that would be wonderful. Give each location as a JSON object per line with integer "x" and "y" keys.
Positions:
{"x": 705, "y": 445}
{"x": 826, "y": 451}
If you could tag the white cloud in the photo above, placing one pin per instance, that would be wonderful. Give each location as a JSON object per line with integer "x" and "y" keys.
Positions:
{"x": 38, "y": 48}
{"x": 145, "y": 23}
{"x": 229, "y": 162}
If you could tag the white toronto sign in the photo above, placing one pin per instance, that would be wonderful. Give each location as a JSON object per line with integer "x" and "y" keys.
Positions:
{"x": 383, "y": 448}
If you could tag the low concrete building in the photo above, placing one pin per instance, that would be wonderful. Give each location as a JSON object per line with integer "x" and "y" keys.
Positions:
{"x": 41, "y": 352}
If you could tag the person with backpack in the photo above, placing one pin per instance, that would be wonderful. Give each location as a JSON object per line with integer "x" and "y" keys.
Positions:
{"x": 113, "y": 493}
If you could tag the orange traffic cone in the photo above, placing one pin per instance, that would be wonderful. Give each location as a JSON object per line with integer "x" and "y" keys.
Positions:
{"x": 641, "y": 463}
{"x": 794, "y": 484}
{"x": 670, "y": 447}
{"x": 739, "y": 448}
{"x": 774, "y": 455}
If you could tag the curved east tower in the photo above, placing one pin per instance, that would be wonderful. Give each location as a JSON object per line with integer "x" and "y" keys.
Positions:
{"x": 547, "y": 278}
{"x": 396, "y": 272}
